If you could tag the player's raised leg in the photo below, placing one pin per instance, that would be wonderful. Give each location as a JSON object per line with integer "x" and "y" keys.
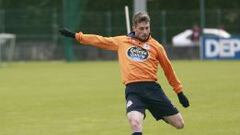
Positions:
{"x": 175, "y": 120}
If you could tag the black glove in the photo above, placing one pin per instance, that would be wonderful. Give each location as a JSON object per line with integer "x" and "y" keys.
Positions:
{"x": 67, "y": 33}
{"x": 183, "y": 99}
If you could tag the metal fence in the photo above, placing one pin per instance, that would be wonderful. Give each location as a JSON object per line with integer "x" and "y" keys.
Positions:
{"x": 38, "y": 38}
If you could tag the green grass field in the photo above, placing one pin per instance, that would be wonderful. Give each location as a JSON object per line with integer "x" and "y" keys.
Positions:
{"x": 87, "y": 98}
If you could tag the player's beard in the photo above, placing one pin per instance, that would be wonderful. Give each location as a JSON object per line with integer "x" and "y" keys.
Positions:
{"x": 144, "y": 37}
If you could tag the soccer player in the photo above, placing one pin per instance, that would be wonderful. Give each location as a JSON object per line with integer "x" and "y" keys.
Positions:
{"x": 139, "y": 55}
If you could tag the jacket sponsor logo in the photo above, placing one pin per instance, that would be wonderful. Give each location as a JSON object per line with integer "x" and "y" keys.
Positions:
{"x": 137, "y": 54}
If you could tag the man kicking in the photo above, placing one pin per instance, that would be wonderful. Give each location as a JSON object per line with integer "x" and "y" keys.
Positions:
{"x": 139, "y": 55}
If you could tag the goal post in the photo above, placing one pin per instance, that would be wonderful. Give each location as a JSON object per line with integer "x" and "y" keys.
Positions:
{"x": 127, "y": 19}
{"x": 7, "y": 46}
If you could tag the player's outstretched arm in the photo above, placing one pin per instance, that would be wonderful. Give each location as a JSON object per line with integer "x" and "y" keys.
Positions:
{"x": 183, "y": 100}
{"x": 67, "y": 33}
{"x": 107, "y": 43}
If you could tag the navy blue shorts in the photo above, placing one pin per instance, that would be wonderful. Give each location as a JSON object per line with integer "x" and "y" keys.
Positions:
{"x": 148, "y": 95}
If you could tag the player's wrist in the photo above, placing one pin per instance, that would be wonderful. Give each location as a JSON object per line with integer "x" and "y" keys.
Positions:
{"x": 180, "y": 93}
{"x": 67, "y": 33}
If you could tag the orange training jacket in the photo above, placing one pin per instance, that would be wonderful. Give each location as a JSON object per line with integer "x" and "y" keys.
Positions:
{"x": 138, "y": 60}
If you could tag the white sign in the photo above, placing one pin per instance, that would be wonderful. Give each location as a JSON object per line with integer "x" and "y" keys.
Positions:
{"x": 221, "y": 48}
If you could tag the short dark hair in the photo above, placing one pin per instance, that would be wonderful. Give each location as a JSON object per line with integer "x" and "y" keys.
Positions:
{"x": 140, "y": 17}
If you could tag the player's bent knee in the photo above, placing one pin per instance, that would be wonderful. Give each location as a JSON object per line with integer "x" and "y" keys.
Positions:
{"x": 176, "y": 121}
{"x": 179, "y": 125}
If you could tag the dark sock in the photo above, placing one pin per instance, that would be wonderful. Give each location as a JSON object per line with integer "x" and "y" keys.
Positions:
{"x": 137, "y": 133}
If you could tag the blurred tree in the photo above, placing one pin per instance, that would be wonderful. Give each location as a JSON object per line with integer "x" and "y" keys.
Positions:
{"x": 191, "y": 4}
{"x": 116, "y": 5}
{"x": 16, "y": 4}
{"x": 222, "y": 4}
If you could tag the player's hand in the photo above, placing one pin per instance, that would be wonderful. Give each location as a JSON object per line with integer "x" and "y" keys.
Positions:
{"x": 67, "y": 33}
{"x": 183, "y": 100}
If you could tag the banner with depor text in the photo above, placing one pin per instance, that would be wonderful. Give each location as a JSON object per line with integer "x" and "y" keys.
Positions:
{"x": 220, "y": 48}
